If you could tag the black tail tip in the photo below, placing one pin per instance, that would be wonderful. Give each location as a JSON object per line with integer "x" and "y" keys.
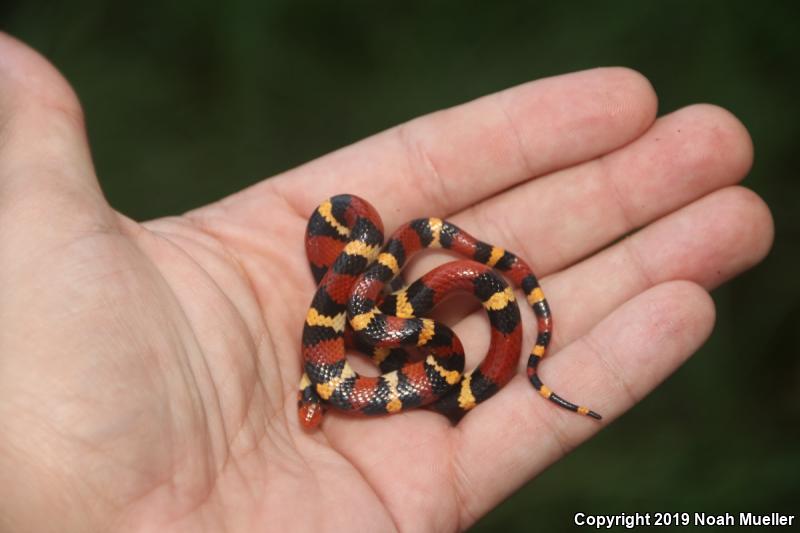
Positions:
{"x": 594, "y": 415}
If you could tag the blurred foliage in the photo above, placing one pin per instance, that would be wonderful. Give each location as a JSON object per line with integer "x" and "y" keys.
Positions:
{"x": 189, "y": 101}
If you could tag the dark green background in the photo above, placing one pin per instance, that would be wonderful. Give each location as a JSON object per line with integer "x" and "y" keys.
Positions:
{"x": 194, "y": 100}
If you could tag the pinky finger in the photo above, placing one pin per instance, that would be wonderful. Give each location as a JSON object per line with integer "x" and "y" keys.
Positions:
{"x": 610, "y": 369}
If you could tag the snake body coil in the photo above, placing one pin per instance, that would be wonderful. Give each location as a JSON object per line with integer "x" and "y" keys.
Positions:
{"x": 422, "y": 360}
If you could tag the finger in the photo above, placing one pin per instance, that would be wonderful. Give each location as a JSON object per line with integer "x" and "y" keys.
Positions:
{"x": 558, "y": 219}
{"x": 708, "y": 242}
{"x": 445, "y": 161}
{"x": 45, "y": 166}
{"x": 617, "y": 363}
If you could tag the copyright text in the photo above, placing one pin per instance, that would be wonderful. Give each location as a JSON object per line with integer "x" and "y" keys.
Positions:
{"x": 630, "y": 521}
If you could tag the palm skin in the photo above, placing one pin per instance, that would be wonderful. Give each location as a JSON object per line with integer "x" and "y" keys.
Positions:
{"x": 148, "y": 372}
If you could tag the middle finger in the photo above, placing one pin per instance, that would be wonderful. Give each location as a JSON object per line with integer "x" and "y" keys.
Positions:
{"x": 559, "y": 219}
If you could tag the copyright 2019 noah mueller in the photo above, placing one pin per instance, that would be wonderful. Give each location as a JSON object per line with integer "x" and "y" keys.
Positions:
{"x": 632, "y": 520}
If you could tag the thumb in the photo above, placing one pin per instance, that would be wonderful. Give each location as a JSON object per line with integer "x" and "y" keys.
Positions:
{"x": 47, "y": 180}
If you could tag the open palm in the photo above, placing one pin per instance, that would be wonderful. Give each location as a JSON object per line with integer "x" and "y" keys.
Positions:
{"x": 148, "y": 372}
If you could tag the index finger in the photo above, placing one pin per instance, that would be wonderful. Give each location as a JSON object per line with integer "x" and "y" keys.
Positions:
{"x": 440, "y": 163}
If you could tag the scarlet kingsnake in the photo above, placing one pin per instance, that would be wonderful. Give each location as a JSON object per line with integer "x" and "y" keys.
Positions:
{"x": 422, "y": 360}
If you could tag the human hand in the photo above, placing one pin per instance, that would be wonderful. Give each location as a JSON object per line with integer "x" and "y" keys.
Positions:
{"x": 148, "y": 372}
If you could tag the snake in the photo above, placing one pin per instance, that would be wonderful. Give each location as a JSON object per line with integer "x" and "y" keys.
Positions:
{"x": 362, "y": 304}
